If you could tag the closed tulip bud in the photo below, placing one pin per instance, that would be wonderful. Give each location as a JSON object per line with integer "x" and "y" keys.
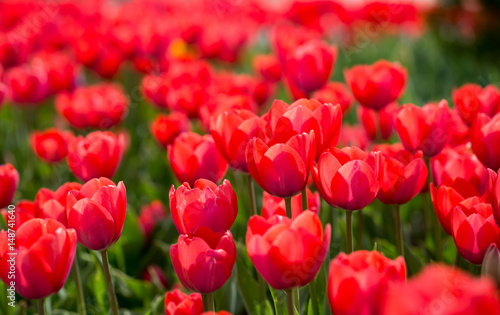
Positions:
{"x": 357, "y": 282}
{"x": 268, "y": 66}
{"x": 45, "y": 253}
{"x": 335, "y": 93}
{"x": 378, "y": 124}
{"x": 193, "y": 157}
{"x": 9, "y": 179}
{"x": 471, "y": 99}
{"x": 376, "y": 86}
{"x": 96, "y": 155}
{"x": 24, "y": 211}
{"x": 178, "y": 303}
{"x": 97, "y": 213}
{"x": 485, "y": 138}
{"x": 349, "y": 178}
{"x": 204, "y": 205}
{"x": 272, "y": 205}
{"x": 426, "y": 128}
{"x": 287, "y": 253}
{"x": 203, "y": 261}
{"x": 26, "y": 85}
{"x": 491, "y": 264}
{"x": 60, "y": 68}
{"x": 151, "y": 216}
{"x": 51, "y": 145}
{"x": 52, "y": 204}
{"x": 165, "y": 128}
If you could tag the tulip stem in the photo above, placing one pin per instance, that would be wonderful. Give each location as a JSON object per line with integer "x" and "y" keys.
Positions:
{"x": 313, "y": 293}
{"x": 399, "y": 232}
{"x": 109, "y": 283}
{"x": 348, "y": 221}
{"x": 304, "y": 199}
{"x": 41, "y": 306}
{"x": 251, "y": 195}
{"x": 360, "y": 230}
{"x": 288, "y": 205}
{"x": 435, "y": 221}
{"x": 458, "y": 258}
{"x": 289, "y": 299}
{"x": 79, "y": 290}
{"x": 208, "y": 302}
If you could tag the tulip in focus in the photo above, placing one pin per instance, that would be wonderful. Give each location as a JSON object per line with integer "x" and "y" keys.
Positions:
{"x": 178, "y": 303}
{"x": 165, "y": 128}
{"x": 9, "y": 179}
{"x": 51, "y": 145}
{"x": 485, "y": 140}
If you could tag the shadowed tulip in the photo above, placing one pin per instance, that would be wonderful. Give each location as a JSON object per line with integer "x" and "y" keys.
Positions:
{"x": 272, "y": 205}
{"x": 471, "y": 99}
{"x": 24, "y": 211}
{"x": 178, "y": 303}
{"x": 335, "y": 93}
{"x": 268, "y": 66}
{"x": 52, "y": 204}
{"x": 485, "y": 140}
{"x": 9, "y": 179}
{"x": 165, "y": 128}
{"x": 151, "y": 216}
{"x": 378, "y": 123}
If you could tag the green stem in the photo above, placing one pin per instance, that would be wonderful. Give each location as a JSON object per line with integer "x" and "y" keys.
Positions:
{"x": 360, "y": 229}
{"x": 314, "y": 297}
{"x": 79, "y": 290}
{"x": 458, "y": 258}
{"x": 289, "y": 299}
{"x": 435, "y": 222}
{"x": 288, "y": 205}
{"x": 109, "y": 283}
{"x": 399, "y": 232}
{"x": 41, "y": 306}
{"x": 304, "y": 199}
{"x": 348, "y": 220}
{"x": 251, "y": 195}
{"x": 208, "y": 302}
{"x": 296, "y": 298}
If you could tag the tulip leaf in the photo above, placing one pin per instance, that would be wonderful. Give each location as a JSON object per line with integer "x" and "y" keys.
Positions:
{"x": 280, "y": 301}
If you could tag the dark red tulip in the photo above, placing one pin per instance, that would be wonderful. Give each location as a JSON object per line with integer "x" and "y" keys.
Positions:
{"x": 51, "y": 144}
{"x": 9, "y": 179}
{"x": 165, "y": 128}
{"x": 335, "y": 93}
{"x": 349, "y": 178}
{"x": 378, "y": 123}
{"x": 204, "y": 205}
{"x": 376, "y": 86}
{"x": 426, "y": 128}
{"x": 45, "y": 253}
{"x": 150, "y": 216}
{"x": 23, "y": 212}
{"x": 272, "y": 205}
{"x": 471, "y": 99}
{"x": 485, "y": 140}
{"x": 193, "y": 157}
{"x": 26, "y": 85}
{"x": 232, "y": 130}
{"x": 287, "y": 253}
{"x": 358, "y": 282}
{"x": 495, "y": 198}
{"x": 178, "y": 303}
{"x": 97, "y": 213}
{"x": 405, "y": 174}
{"x": 96, "y": 155}
{"x": 52, "y": 204}
{"x": 281, "y": 167}
{"x": 203, "y": 261}
{"x": 268, "y": 66}
{"x": 155, "y": 275}
{"x": 60, "y": 68}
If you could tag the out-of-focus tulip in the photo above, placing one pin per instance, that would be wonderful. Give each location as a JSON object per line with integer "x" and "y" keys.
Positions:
{"x": 178, "y": 303}
{"x": 378, "y": 124}
{"x": 405, "y": 174}
{"x": 354, "y": 136}
{"x": 335, "y": 93}
{"x": 99, "y": 106}
{"x": 268, "y": 66}
{"x": 272, "y": 205}
{"x": 203, "y": 261}
{"x": 52, "y": 204}
{"x": 485, "y": 139}
{"x": 221, "y": 103}
{"x": 45, "y": 253}
{"x": 9, "y": 179}
{"x": 376, "y": 86}
{"x": 51, "y": 144}
{"x": 281, "y": 167}
{"x": 474, "y": 229}
{"x": 471, "y": 99}
{"x": 61, "y": 70}
{"x": 150, "y": 216}
{"x": 461, "y": 132}
{"x": 443, "y": 290}
{"x": 357, "y": 282}
{"x": 155, "y": 88}
{"x": 3, "y": 93}
{"x": 491, "y": 264}
{"x": 97, "y": 213}
{"x": 193, "y": 157}
{"x": 154, "y": 274}
{"x": 287, "y": 253}
{"x": 165, "y": 128}
{"x": 204, "y": 205}
{"x": 26, "y": 85}
{"x": 96, "y": 155}
{"x": 218, "y": 313}
{"x": 23, "y": 212}
{"x": 426, "y": 128}
{"x": 349, "y": 178}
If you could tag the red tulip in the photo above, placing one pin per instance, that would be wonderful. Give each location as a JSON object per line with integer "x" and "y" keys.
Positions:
{"x": 281, "y": 167}
{"x": 24, "y": 211}
{"x": 474, "y": 229}
{"x": 51, "y": 144}
{"x": 52, "y": 204}
{"x": 486, "y": 139}
{"x": 155, "y": 89}
{"x": 354, "y": 136}
{"x": 97, "y": 213}
{"x": 3, "y": 93}
{"x": 155, "y": 275}
{"x": 443, "y": 290}
{"x": 268, "y": 66}
{"x": 205, "y": 205}
{"x": 9, "y": 178}
{"x": 303, "y": 116}
{"x": 220, "y": 103}
{"x": 460, "y": 130}
{"x": 425, "y": 128}
{"x": 96, "y": 155}
{"x": 495, "y": 198}
{"x": 203, "y": 261}
{"x": 335, "y": 93}
{"x": 99, "y": 106}
{"x": 310, "y": 64}
{"x": 349, "y": 178}
{"x": 272, "y": 205}
{"x": 150, "y": 216}
{"x": 405, "y": 174}
{"x": 165, "y": 128}
{"x": 218, "y": 313}
{"x": 357, "y": 282}
{"x": 378, "y": 123}
{"x": 45, "y": 252}
{"x": 471, "y": 99}
{"x": 287, "y": 253}
{"x": 60, "y": 68}
{"x": 376, "y": 86}
{"x": 178, "y": 303}
{"x": 26, "y": 85}
{"x": 193, "y": 157}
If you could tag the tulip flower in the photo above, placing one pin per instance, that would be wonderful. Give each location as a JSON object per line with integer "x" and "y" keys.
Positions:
{"x": 24, "y": 211}
{"x": 358, "y": 282}
{"x": 203, "y": 261}
{"x": 471, "y": 99}
{"x": 444, "y": 290}
{"x": 485, "y": 138}
{"x": 474, "y": 229}
{"x": 461, "y": 132}
{"x": 272, "y": 205}
{"x": 335, "y": 93}
{"x": 354, "y": 136}
{"x": 205, "y": 205}
{"x": 268, "y": 66}
{"x": 51, "y": 145}
{"x": 45, "y": 253}
{"x": 287, "y": 253}
{"x": 376, "y": 86}
{"x": 60, "y": 68}
{"x": 96, "y": 155}
{"x": 150, "y": 216}
{"x": 52, "y": 204}
{"x": 9, "y": 178}
{"x": 26, "y": 85}
{"x": 155, "y": 275}
{"x": 3, "y": 93}
{"x": 193, "y": 157}
{"x": 165, "y": 128}
{"x": 425, "y": 128}
{"x": 378, "y": 123}
{"x": 491, "y": 264}
{"x": 178, "y": 303}
{"x": 281, "y": 167}
{"x": 155, "y": 89}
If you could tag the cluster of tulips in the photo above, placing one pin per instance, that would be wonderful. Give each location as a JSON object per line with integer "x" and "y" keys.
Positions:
{"x": 213, "y": 121}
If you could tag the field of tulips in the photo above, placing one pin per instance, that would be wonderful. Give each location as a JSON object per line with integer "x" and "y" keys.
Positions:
{"x": 234, "y": 157}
